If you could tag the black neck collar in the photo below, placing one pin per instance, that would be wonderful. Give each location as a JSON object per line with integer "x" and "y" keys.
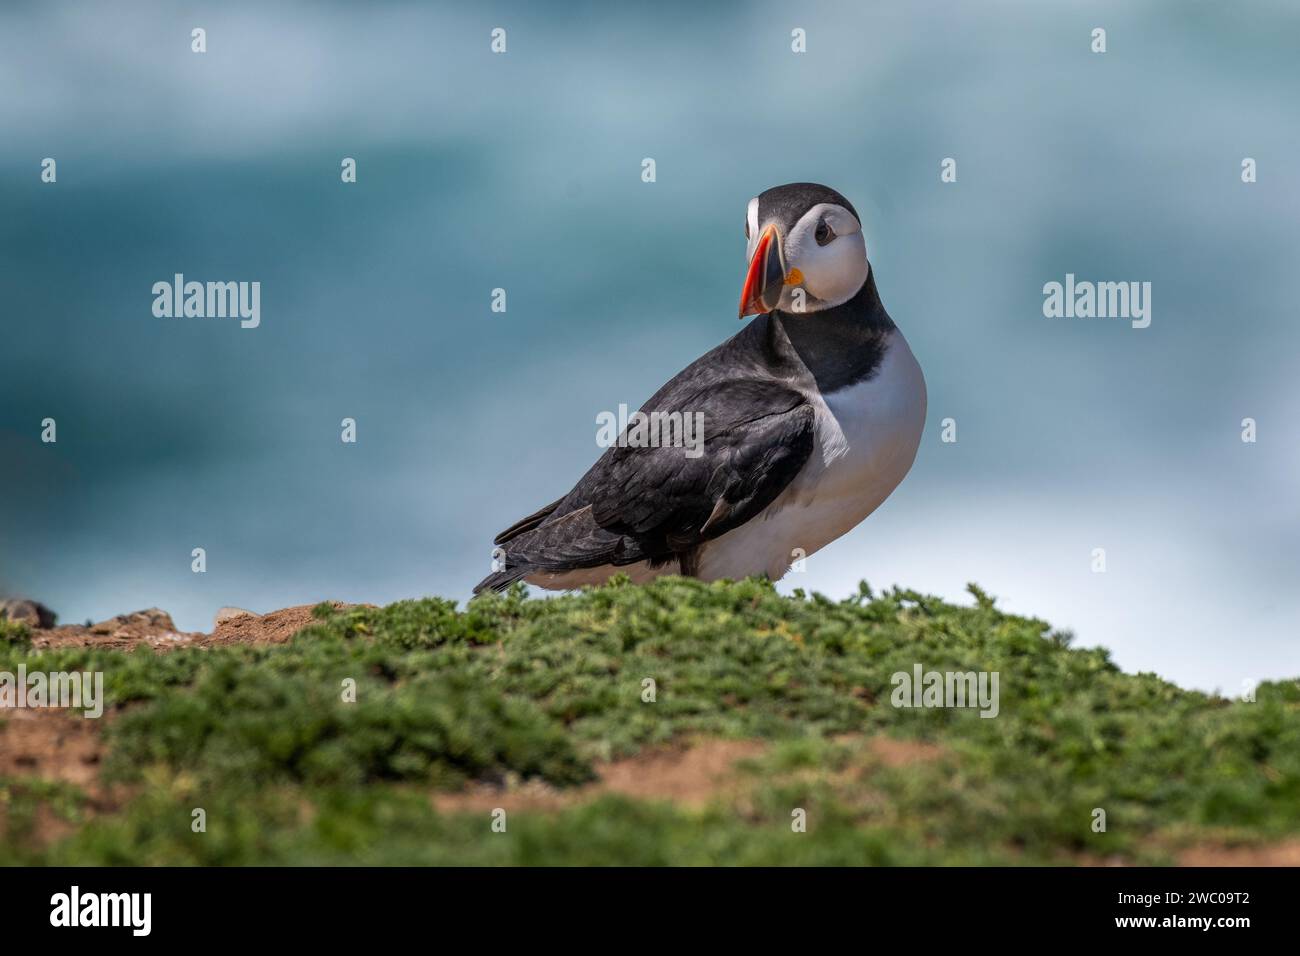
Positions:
{"x": 844, "y": 344}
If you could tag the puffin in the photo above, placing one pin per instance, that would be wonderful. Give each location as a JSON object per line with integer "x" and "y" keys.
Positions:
{"x": 811, "y": 417}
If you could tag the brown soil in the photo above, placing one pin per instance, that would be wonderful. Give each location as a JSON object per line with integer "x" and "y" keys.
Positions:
{"x": 1286, "y": 853}
{"x": 899, "y": 753}
{"x": 151, "y": 628}
{"x": 689, "y": 776}
{"x": 274, "y": 628}
{"x": 50, "y": 745}
{"x": 154, "y": 629}
{"x": 57, "y": 747}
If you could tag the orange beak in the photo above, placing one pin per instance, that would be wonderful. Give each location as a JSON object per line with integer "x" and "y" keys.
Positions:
{"x": 765, "y": 278}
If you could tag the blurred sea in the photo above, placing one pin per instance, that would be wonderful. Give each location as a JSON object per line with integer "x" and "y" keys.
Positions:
{"x": 522, "y": 171}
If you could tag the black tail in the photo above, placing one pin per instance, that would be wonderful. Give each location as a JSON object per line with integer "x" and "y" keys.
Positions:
{"x": 545, "y": 543}
{"x": 524, "y": 525}
{"x": 500, "y": 580}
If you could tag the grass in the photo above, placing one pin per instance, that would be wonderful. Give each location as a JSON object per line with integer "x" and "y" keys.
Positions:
{"x": 14, "y": 633}
{"x": 510, "y": 690}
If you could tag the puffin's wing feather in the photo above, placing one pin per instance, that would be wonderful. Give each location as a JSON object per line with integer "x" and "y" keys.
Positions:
{"x": 757, "y": 435}
{"x": 653, "y": 503}
{"x": 526, "y": 524}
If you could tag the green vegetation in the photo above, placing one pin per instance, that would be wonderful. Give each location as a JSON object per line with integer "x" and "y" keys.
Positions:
{"x": 512, "y": 692}
{"x": 14, "y": 632}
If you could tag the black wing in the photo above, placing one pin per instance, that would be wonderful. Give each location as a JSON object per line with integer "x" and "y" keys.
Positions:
{"x": 660, "y": 503}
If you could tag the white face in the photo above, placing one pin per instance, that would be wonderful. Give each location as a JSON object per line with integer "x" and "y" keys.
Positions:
{"x": 827, "y": 248}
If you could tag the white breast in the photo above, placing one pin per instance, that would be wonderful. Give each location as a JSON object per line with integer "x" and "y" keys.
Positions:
{"x": 866, "y": 441}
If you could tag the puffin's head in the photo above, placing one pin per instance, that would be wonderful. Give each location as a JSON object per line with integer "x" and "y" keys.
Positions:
{"x": 807, "y": 237}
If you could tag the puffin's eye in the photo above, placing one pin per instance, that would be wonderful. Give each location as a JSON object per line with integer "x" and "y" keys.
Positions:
{"x": 746, "y": 227}
{"x": 824, "y": 233}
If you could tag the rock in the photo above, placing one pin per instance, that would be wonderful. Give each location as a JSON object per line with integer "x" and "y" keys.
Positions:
{"x": 148, "y": 628}
{"x": 32, "y": 613}
{"x": 136, "y": 624}
{"x": 274, "y": 627}
{"x": 230, "y": 613}
{"x": 154, "y": 617}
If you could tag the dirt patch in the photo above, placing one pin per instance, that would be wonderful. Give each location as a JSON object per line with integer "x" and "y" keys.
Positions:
{"x": 155, "y": 630}
{"x": 893, "y": 752}
{"x": 1286, "y": 853}
{"x": 44, "y": 828}
{"x": 150, "y": 628}
{"x": 689, "y": 776}
{"x": 56, "y": 747}
{"x": 50, "y": 745}
{"x": 278, "y": 627}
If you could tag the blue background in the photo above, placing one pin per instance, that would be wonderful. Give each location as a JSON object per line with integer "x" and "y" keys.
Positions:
{"x": 523, "y": 171}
